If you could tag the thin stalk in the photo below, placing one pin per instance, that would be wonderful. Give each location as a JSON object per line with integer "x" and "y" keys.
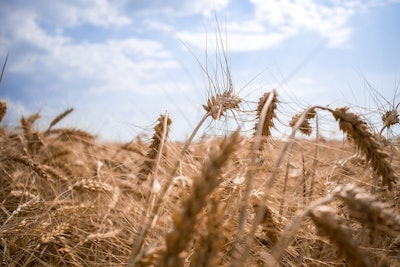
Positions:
{"x": 145, "y": 227}
{"x": 285, "y": 184}
{"x": 315, "y": 161}
{"x": 250, "y": 177}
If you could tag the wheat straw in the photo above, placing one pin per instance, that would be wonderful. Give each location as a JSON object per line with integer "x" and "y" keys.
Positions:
{"x": 184, "y": 223}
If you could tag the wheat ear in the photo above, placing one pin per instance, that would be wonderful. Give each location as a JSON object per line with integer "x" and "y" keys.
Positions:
{"x": 268, "y": 121}
{"x": 3, "y": 109}
{"x": 305, "y": 126}
{"x": 161, "y": 131}
{"x": 184, "y": 222}
{"x": 357, "y": 130}
{"x": 219, "y": 104}
{"x": 325, "y": 219}
{"x": 59, "y": 118}
{"x": 369, "y": 211}
{"x": 212, "y": 242}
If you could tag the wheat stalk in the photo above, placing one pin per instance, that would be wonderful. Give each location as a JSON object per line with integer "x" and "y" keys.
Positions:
{"x": 265, "y": 116}
{"x": 184, "y": 223}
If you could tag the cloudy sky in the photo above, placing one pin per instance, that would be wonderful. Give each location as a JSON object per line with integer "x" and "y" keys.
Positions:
{"x": 122, "y": 63}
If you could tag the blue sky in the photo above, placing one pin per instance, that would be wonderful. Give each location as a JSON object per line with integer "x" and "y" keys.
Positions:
{"x": 122, "y": 63}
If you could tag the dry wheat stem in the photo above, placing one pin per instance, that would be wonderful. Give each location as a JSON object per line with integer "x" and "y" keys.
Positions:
{"x": 3, "y": 68}
{"x": 282, "y": 202}
{"x": 250, "y": 173}
{"x": 277, "y": 163}
{"x": 145, "y": 226}
{"x": 185, "y": 222}
{"x": 315, "y": 160}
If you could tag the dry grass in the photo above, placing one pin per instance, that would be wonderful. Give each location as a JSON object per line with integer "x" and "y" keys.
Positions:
{"x": 69, "y": 200}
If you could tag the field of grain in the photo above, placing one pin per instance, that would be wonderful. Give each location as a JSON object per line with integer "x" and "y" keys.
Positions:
{"x": 229, "y": 200}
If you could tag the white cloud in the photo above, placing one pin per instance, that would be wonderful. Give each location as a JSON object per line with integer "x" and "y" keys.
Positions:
{"x": 330, "y": 21}
{"x": 177, "y": 8}
{"x": 73, "y": 13}
{"x": 107, "y": 65}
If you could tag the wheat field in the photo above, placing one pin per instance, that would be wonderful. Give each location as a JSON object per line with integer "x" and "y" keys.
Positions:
{"x": 232, "y": 199}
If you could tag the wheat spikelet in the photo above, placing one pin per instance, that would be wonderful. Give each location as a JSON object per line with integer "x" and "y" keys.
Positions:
{"x": 22, "y": 193}
{"x": 32, "y": 202}
{"x": 41, "y": 170}
{"x": 151, "y": 256}
{"x": 53, "y": 234}
{"x": 184, "y": 223}
{"x": 3, "y": 109}
{"x": 270, "y": 115}
{"x": 368, "y": 210}
{"x": 357, "y": 130}
{"x": 91, "y": 185}
{"x": 72, "y": 134}
{"x": 218, "y": 104}
{"x": 100, "y": 236}
{"x": 328, "y": 222}
{"x": 305, "y": 127}
{"x": 32, "y": 137}
{"x": 27, "y": 125}
{"x": 59, "y": 118}
{"x": 149, "y": 163}
{"x": 390, "y": 118}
